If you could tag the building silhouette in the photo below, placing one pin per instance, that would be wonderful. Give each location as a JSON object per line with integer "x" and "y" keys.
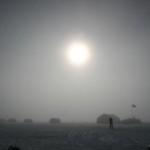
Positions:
{"x": 28, "y": 120}
{"x": 104, "y": 118}
{"x": 55, "y": 121}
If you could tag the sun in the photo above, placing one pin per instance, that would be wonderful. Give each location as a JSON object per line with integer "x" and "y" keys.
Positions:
{"x": 78, "y": 53}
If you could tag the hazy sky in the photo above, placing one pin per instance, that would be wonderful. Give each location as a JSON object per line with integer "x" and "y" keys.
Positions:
{"x": 36, "y": 79}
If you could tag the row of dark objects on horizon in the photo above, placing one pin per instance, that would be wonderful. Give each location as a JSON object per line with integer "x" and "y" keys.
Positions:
{"x": 28, "y": 120}
{"x": 14, "y": 147}
{"x": 102, "y": 119}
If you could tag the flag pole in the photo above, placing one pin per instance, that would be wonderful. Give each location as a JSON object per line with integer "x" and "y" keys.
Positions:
{"x": 132, "y": 110}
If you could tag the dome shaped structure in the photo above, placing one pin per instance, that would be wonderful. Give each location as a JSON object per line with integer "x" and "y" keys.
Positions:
{"x": 104, "y": 118}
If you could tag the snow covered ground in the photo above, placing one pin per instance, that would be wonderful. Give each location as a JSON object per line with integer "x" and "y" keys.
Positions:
{"x": 73, "y": 137}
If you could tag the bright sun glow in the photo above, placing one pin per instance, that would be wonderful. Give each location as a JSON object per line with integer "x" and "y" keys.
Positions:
{"x": 78, "y": 53}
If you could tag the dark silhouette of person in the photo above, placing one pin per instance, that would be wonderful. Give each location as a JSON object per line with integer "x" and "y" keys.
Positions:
{"x": 111, "y": 126}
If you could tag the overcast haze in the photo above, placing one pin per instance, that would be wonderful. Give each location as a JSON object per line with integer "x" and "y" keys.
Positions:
{"x": 36, "y": 79}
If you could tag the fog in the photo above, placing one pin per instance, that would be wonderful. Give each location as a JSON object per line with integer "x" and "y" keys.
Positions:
{"x": 38, "y": 82}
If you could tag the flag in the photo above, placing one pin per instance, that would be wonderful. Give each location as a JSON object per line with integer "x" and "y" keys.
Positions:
{"x": 133, "y": 106}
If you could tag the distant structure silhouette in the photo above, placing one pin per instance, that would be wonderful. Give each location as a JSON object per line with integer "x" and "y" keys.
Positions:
{"x": 28, "y": 120}
{"x": 133, "y": 107}
{"x": 111, "y": 124}
{"x": 104, "y": 119}
{"x": 55, "y": 121}
{"x": 2, "y": 120}
{"x": 132, "y": 120}
{"x": 12, "y": 120}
